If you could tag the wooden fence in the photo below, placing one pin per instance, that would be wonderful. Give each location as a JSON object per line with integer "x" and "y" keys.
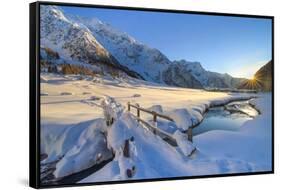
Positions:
{"x": 166, "y": 136}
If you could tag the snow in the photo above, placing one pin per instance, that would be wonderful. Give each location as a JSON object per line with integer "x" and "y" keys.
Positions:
{"x": 123, "y": 130}
{"x": 124, "y": 164}
{"x": 182, "y": 117}
{"x": 142, "y": 154}
{"x": 117, "y": 134}
{"x": 252, "y": 143}
{"x": 185, "y": 145}
{"x": 208, "y": 79}
{"x": 77, "y": 147}
{"x": 156, "y": 108}
{"x": 111, "y": 109}
{"x": 72, "y": 130}
{"x": 74, "y": 44}
{"x": 154, "y": 158}
{"x": 149, "y": 62}
{"x": 252, "y": 112}
{"x": 64, "y": 109}
{"x": 88, "y": 151}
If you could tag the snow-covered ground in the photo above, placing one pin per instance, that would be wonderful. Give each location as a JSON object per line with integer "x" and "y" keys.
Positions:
{"x": 72, "y": 128}
{"x": 252, "y": 143}
{"x": 80, "y": 106}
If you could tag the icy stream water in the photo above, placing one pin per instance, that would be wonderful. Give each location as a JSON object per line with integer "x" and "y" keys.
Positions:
{"x": 230, "y": 117}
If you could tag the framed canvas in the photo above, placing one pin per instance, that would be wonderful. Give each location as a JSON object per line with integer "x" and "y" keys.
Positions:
{"x": 122, "y": 94}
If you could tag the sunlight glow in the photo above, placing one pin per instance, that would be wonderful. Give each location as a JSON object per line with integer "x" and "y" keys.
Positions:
{"x": 253, "y": 83}
{"x": 246, "y": 69}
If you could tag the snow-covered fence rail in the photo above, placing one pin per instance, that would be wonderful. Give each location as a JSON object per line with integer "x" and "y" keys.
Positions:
{"x": 155, "y": 114}
{"x": 156, "y": 130}
{"x": 166, "y": 136}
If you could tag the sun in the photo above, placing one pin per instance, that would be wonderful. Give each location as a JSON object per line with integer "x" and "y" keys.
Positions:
{"x": 253, "y": 83}
{"x": 254, "y": 79}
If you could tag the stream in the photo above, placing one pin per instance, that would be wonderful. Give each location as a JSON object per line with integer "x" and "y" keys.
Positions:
{"x": 229, "y": 117}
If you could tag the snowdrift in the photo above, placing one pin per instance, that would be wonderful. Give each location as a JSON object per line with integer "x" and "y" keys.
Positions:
{"x": 75, "y": 147}
{"x": 251, "y": 144}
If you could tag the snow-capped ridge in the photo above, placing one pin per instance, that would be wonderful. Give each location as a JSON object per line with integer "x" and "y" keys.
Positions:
{"x": 148, "y": 62}
{"x": 76, "y": 44}
{"x": 209, "y": 79}
{"x": 92, "y": 41}
{"x": 45, "y": 11}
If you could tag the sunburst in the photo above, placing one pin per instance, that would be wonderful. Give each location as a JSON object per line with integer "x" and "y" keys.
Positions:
{"x": 254, "y": 83}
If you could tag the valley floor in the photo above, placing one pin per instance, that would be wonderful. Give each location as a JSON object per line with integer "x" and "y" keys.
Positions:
{"x": 74, "y": 134}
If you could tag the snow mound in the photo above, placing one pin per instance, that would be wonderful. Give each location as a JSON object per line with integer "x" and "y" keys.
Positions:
{"x": 185, "y": 145}
{"x": 79, "y": 146}
{"x": 126, "y": 166}
{"x": 156, "y": 108}
{"x": 182, "y": 118}
{"x": 120, "y": 139}
{"x": 117, "y": 134}
{"x": 112, "y": 110}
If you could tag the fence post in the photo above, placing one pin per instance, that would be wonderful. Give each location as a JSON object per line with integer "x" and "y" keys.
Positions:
{"x": 189, "y": 134}
{"x": 126, "y": 153}
{"x": 155, "y": 120}
{"x": 138, "y": 111}
{"x": 129, "y": 107}
{"x": 154, "y": 117}
{"x": 126, "y": 150}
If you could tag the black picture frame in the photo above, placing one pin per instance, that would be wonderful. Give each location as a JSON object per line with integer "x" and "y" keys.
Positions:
{"x": 34, "y": 92}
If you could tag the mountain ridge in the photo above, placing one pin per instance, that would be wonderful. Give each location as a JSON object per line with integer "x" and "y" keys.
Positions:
{"x": 91, "y": 41}
{"x": 148, "y": 62}
{"x": 75, "y": 44}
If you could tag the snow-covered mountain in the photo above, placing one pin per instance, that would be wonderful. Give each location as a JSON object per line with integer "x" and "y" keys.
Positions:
{"x": 75, "y": 44}
{"x": 209, "y": 79}
{"x": 148, "y": 62}
{"x": 100, "y": 47}
{"x": 178, "y": 74}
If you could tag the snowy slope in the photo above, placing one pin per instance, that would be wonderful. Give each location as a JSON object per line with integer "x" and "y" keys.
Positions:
{"x": 75, "y": 44}
{"x": 209, "y": 79}
{"x": 148, "y": 62}
{"x": 178, "y": 74}
{"x": 76, "y": 146}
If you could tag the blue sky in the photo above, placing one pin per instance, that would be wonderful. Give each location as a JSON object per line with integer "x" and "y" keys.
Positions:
{"x": 235, "y": 45}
